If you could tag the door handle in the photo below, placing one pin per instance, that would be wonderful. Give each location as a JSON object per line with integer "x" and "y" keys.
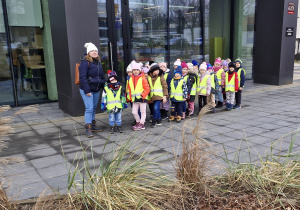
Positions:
{"x": 111, "y": 56}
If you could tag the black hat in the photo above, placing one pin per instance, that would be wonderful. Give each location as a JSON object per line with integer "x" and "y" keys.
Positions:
{"x": 153, "y": 67}
{"x": 231, "y": 64}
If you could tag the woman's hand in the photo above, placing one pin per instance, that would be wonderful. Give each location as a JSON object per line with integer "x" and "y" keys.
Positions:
{"x": 88, "y": 94}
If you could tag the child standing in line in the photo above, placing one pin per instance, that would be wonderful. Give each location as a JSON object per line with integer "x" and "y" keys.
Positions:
{"x": 193, "y": 79}
{"x": 214, "y": 87}
{"x": 185, "y": 76}
{"x": 113, "y": 90}
{"x": 241, "y": 73}
{"x": 220, "y": 74}
{"x": 138, "y": 92}
{"x": 204, "y": 85}
{"x": 225, "y": 67}
{"x": 178, "y": 94}
{"x": 164, "y": 106}
{"x": 158, "y": 92}
{"x": 231, "y": 85}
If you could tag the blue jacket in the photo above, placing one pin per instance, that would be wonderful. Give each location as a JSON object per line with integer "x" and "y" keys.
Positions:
{"x": 91, "y": 76}
{"x": 242, "y": 82}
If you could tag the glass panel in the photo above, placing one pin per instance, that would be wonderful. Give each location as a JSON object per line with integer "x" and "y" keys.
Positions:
{"x": 6, "y": 84}
{"x": 245, "y": 34}
{"x": 24, "y": 13}
{"x": 185, "y": 30}
{"x": 119, "y": 41}
{"x": 216, "y": 29}
{"x": 27, "y": 52}
{"x": 148, "y": 21}
{"x": 103, "y": 33}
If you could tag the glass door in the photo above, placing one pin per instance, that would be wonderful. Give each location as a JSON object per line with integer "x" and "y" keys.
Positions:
{"x": 6, "y": 76}
{"x": 110, "y": 19}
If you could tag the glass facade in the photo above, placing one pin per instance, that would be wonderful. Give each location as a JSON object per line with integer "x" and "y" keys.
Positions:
{"x": 244, "y": 33}
{"x": 142, "y": 30}
{"x": 23, "y": 75}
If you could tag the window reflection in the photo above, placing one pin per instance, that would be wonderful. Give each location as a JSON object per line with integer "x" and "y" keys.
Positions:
{"x": 148, "y": 21}
{"x": 185, "y": 30}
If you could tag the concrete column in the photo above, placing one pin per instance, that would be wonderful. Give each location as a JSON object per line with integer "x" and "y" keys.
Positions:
{"x": 73, "y": 23}
{"x": 273, "y": 49}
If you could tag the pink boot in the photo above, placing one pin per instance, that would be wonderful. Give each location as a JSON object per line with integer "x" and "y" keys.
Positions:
{"x": 136, "y": 127}
{"x": 183, "y": 116}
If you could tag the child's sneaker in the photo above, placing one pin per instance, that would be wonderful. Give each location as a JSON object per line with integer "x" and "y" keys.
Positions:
{"x": 153, "y": 124}
{"x": 151, "y": 119}
{"x": 183, "y": 116}
{"x": 158, "y": 122}
{"x": 136, "y": 127}
{"x": 141, "y": 126}
{"x": 236, "y": 107}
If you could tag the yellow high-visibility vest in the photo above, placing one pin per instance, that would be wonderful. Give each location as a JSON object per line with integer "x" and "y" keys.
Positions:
{"x": 137, "y": 91}
{"x": 219, "y": 75}
{"x": 157, "y": 89}
{"x": 229, "y": 86}
{"x": 177, "y": 92}
{"x": 202, "y": 88}
{"x": 113, "y": 101}
{"x": 166, "y": 75}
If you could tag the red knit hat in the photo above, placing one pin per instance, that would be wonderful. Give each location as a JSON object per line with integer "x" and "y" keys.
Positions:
{"x": 184, "y": 65}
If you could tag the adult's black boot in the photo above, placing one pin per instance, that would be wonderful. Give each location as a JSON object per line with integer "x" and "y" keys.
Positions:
{"x": 220, "y": 104}
{"x": 88, "y": 130}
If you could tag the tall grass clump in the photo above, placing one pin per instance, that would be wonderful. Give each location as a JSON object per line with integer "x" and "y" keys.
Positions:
{"x": 126, "y": 181}
{"x": 275, "y": 177}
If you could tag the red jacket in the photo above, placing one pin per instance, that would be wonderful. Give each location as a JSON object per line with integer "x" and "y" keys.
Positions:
{"x": 144, "y": 83}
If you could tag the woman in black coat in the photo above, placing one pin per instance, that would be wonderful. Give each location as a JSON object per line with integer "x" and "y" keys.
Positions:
{"x": 92, "y": 80}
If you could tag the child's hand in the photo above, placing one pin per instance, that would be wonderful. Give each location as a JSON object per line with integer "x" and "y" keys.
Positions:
{"x": 240, "y": 88}
{"x": 164, "y": 99}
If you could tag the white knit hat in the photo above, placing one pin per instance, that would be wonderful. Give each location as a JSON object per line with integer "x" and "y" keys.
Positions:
{"x": 177, "y": 62}
{"x": 203, "y": 66}
{"x": 128, "y": 68}
{"x": 89, "y": 47}
{"x": 191, "y": 66}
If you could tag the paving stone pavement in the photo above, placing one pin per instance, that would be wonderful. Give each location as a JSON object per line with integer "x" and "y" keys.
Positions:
{"x": 50, "y": 141}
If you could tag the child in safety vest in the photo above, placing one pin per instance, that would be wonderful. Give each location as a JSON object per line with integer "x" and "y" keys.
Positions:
{"x": 231, "y": 85}
{"x": 114, "y": 105}
{"x": 165, "y": 106}
{"x": 214, "y": 87}
{"x": 241, "y": 73}
{"x": 178, "y": 94}
{"x": 145, "y": 71}
{"x": 204, "y": 85}
{"x": 185, "y": 76}
{"x": 193, "y": 79}
{"x": 138, "y": 90}
{"x": 158, "y": 92}
{"x": 225, "y": 67}
{"x": 220, "y": 75}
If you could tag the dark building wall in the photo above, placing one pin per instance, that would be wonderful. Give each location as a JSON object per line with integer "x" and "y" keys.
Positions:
{"x": 273, "y": 51}
{"x": 73, "y": 23}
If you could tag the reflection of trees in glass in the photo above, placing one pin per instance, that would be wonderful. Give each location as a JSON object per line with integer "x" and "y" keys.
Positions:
{"x": 186, "y": 13}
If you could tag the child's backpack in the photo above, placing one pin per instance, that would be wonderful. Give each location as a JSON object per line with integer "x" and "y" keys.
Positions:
{"x": 77, "y": 81}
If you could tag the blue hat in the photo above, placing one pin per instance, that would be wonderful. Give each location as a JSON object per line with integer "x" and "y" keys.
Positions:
{"x": 195, "y": 63}
{"x": 178, "y": 70}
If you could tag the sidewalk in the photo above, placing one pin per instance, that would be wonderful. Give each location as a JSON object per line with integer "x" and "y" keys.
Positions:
{"x": 268, "y": 113}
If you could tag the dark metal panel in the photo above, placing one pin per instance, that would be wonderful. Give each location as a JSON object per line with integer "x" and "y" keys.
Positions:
{"x": 268, "y": 39}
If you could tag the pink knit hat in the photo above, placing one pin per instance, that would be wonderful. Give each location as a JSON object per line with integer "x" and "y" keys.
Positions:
{"x": 136, "y": 66}
{"x": 218, "y": 60}
{"x": 184, "y": 65}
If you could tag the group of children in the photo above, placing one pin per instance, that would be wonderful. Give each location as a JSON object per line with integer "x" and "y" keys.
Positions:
{"x": 155, "y": 85}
